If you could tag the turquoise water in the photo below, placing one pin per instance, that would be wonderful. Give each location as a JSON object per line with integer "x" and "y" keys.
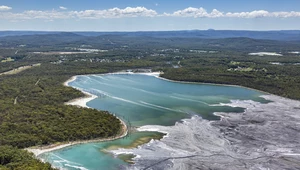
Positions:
{"x": 143, "y": 100}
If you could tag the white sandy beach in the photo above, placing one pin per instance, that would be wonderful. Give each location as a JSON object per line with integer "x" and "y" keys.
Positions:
{"x": 82, "y": 101}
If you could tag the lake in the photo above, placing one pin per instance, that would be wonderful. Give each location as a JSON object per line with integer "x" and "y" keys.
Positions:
{"x": 141, "y": 100}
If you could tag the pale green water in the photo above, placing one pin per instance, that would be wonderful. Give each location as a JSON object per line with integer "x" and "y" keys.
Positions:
{"x": 143, "y": 100}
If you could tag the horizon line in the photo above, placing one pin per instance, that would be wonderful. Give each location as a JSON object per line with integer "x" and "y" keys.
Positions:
{"x": 254, "y": 30}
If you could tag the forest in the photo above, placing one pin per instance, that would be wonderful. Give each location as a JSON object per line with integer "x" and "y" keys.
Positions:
{"x": 32, "y": 110}
{"x": 33, "y": 114}
{"x": 282, "y": 80}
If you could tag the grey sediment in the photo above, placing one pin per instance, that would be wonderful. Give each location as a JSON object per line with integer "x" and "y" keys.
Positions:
{"x": 265, "y": 136}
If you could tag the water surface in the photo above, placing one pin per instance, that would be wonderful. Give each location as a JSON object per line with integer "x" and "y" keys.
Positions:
{"x": 143, "y": 100}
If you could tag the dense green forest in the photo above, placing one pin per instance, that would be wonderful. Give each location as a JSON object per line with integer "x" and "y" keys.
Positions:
{"x": 283, "y": 80}
{"x": 33, "y": 113}
{"x": 17, "y": 159}
{"x": 32, "y": 110}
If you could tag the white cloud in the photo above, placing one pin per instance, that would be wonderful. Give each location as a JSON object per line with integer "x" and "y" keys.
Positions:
{"x": 63, "y": 8}
{"x": 63, "y": 13}
{"x": 253, "y": 14}
{"x": 5, "y": 8}
{"x": 33, "y": 14}
{"x": 286, "y": 14}
{"x": 202, "y": 13}
{"x": 196, "y": 13}
{"x": 215, "y": 13}
{"x": 263, "y": 13}
{"x": 116, "y": 13}
{"x": 86, "y": 14}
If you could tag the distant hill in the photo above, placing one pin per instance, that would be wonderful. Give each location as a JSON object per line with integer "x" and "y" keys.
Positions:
{"x": 20, "y": 33}
{"x": 228, "y": 40}
{"x": 288, "y": 35}
{"x": 41, "y": 39}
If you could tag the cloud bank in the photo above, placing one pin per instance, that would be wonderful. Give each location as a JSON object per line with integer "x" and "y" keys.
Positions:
{"x": 85, "y": 14}
{"x": 63, "y": 13}
{"x": 202, "y": 13}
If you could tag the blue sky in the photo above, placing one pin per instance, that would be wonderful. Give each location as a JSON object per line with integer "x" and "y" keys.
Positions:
{"x": 149, "y": 15}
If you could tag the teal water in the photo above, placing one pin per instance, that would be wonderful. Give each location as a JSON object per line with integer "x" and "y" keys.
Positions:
{"x": 143, "y": 100}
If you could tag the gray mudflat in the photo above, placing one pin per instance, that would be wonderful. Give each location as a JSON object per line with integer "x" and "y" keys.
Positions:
{"x": 266, "y": 136}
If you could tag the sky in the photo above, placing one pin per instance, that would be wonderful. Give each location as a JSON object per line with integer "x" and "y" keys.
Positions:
{"x": 149, "y": 15}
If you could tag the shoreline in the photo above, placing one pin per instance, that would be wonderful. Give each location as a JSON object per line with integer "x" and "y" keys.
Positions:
{"x": 223, "y": 116}
{"x": 224, "y": 140}
{"x": 158, "y": 73}
{"x": 214, "y": 84}
{"x": 38, "y": 150}
{"x": 80, "y": 102}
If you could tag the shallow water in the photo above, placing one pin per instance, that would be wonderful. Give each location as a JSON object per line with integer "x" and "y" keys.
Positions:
{"x": 143, "y": 100}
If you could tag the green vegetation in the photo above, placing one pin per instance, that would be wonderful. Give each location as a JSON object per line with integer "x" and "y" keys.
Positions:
{"x": 12, "y": 158}
{"x": 32, "y": 110}
{"x": 32, "y": 105}
{"x": 283, "y": 80}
